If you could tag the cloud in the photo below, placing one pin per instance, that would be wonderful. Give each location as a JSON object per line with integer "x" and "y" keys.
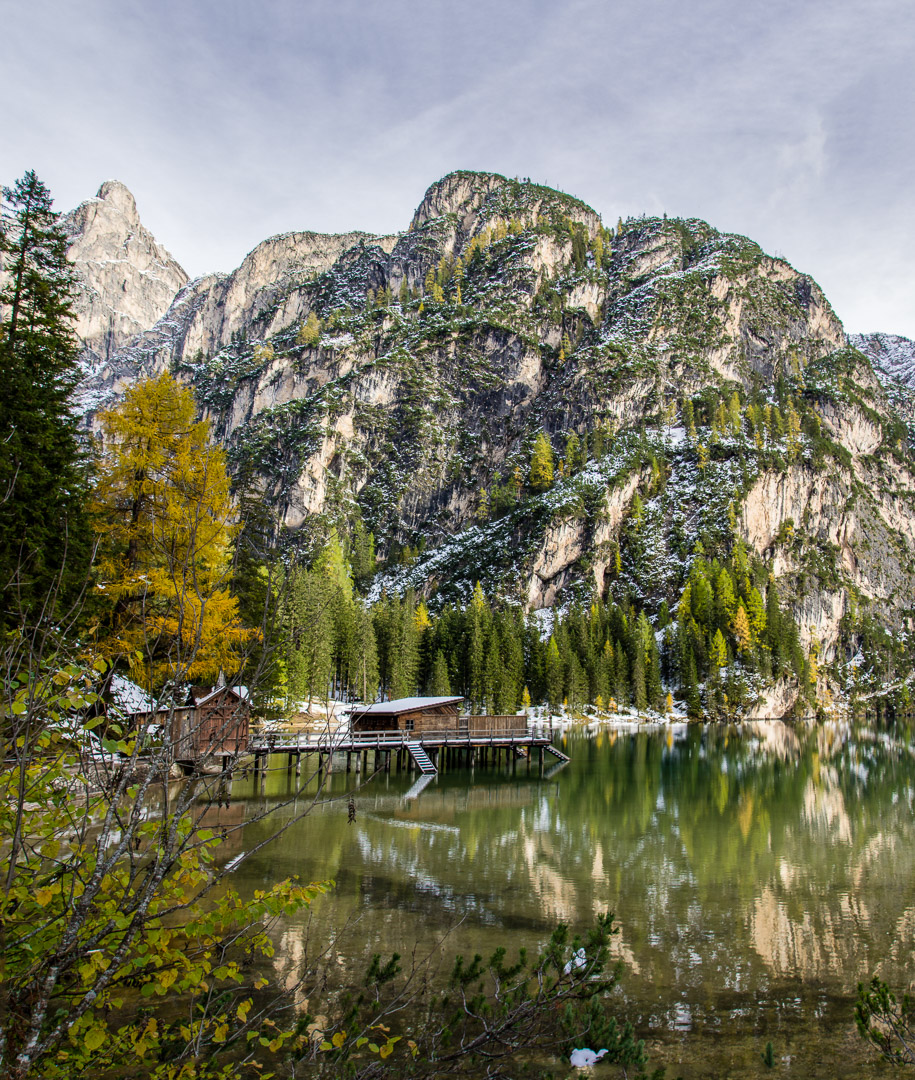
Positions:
{"x": 231, "y": 121}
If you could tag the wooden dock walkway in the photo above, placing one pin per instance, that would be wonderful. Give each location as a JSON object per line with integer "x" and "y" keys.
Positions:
{"x": 422, "y": 750}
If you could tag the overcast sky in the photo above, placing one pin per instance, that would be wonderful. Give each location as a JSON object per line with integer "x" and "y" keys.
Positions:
{"x": 231, "y": 120}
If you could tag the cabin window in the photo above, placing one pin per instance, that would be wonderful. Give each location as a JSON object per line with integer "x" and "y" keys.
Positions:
{"x": 408, "y": 723}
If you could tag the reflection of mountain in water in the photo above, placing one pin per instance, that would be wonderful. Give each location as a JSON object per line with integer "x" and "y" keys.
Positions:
{"x": 733, "y": 857}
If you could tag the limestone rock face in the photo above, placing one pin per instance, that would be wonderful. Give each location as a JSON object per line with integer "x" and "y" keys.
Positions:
{"x": 128, "y": 279}
{"x": 266, "y": 287}
{"x": 506, "y": 309}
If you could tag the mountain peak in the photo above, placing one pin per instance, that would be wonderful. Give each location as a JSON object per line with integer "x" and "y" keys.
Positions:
{"x": 119, "y": 196}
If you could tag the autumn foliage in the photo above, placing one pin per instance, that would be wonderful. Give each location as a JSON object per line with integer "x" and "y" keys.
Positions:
{"x": 164, "y": 514}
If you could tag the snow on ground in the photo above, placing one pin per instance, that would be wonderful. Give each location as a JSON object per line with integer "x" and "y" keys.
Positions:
{"x": 889, "y": 353}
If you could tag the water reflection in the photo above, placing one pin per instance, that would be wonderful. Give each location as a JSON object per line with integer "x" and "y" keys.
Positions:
{"x": 758, "y": 872}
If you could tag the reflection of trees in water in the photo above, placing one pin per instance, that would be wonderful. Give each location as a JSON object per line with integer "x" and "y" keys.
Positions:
{"x": 729, "y": 855}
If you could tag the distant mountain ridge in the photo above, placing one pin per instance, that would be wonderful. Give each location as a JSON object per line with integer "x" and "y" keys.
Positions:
{"x": 685, "y": 379}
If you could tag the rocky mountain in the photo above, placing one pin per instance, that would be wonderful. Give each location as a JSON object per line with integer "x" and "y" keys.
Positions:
{"x": 694, "y": 390}
{"x": 128, "y": 280}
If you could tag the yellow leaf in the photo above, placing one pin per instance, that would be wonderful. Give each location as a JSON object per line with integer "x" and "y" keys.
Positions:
{"x": 43, "y": 896}
{"x": 339, "y": 1039}
{"x": 94, "y": 1038}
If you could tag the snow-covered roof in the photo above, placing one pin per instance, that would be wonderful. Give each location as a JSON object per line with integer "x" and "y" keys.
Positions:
{"x": 129, "y": 697}
{"x": 407, "y": 704}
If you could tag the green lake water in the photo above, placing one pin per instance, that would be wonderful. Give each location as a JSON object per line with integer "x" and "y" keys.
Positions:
{"x": 757, "y": 874}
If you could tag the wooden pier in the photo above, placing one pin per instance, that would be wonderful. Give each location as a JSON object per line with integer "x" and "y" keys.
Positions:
{"x": 423, "y": 750}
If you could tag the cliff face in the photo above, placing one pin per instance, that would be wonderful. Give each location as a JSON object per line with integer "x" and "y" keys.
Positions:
{"x": 677, "y": 370}
{"x": 128, "y": 280}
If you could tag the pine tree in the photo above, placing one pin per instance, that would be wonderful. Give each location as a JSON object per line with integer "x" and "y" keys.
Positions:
{"x": 362, "y": 657}
{"x": 404, "y": 649}
{"x": 573, "y": 454}
{"x": 639, "y": 690}
{"x": 478, "y": 627}
{"x": 794, "y": 432}
{"x": 492, "y": 674}
{"x": 756, "y": 613}
{"x": 718, "y": 651}
{"x": 554, "y": 674}
{"x": 540, "y": 476}
{"x": 621, "y": 665}
{"x": 691, "y": 689}
{"x": 725, "y": 600}
{"x": 44, "y": 537}
{"x": 440, "y": 682}
{"x": 689, "y": 419}
{"x": 362, "y": 558}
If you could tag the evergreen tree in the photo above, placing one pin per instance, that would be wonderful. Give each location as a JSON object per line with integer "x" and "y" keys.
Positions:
{"x": 725, "y": 600}
{"x": 639, "y": 690}
{"x": 718, "y": 651}
{"x": 362, "y": 657}
{"x": 477, "y": 634}
{"x": 492, "y": 675}
{"x": 362, "y": 554}
{"x": 653, "y": 687}
{"x": 440, "y": 683}
{"x": 44, "y": 537}
{"x": 404, "y": 650}
{"x": 622, "y": 676}
{"x": 573, "y": 454}
{"x": 554, "y": 674}
{"x": 691, "y": 690}
{"x": 756, "y": 613}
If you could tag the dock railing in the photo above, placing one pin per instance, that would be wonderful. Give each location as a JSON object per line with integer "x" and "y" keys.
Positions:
{"x": 282, "y": 742}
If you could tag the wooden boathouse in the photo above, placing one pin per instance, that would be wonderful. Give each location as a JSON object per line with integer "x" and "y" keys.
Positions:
{"x": 419, "y": 732}
{"x": 212, "y": 727}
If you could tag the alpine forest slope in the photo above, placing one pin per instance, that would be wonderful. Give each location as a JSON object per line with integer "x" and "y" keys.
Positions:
{"x": 654, "y": 415}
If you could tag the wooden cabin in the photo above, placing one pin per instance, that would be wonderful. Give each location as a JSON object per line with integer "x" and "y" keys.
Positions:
{"x": 213, "y": 723}
{"x": 411, "y": 714}
{"x": 428, "y": 715}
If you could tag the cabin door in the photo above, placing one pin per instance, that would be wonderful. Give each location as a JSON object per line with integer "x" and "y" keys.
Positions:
{"x": 464, "y": 724}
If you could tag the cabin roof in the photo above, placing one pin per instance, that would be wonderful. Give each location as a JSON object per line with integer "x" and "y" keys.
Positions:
{"x": 241, "y": 692}
{"x": 405, "y": 704}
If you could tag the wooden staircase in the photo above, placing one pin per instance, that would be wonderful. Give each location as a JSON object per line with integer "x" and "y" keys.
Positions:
{"x": 422, "y": 759}
{"x": 550, "y": 749}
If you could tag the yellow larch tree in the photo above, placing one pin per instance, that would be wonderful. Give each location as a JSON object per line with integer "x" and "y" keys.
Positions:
{"x": 165, "y": 518}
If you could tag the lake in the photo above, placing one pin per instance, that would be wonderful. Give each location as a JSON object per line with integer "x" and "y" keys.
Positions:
{"x": 757, "y": 872}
